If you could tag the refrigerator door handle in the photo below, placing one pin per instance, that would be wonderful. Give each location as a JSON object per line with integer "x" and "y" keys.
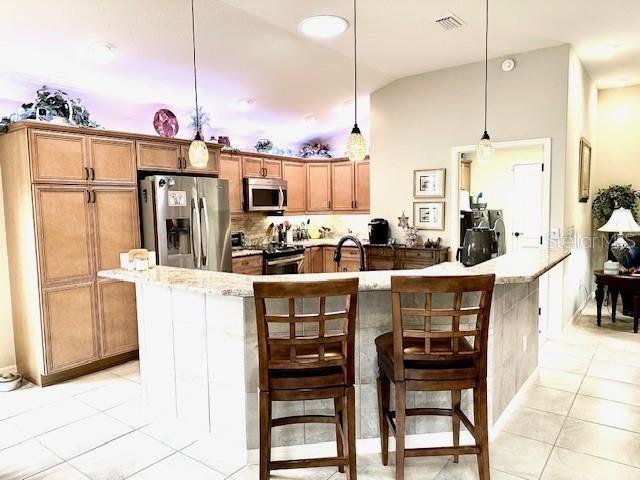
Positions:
{"x": 204, "y": 235}
{"x": 196, "y": 243}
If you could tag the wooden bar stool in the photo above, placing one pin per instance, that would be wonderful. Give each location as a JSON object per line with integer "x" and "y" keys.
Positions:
{"x": 305, "y": 362}
{"x": 434, "y": 354}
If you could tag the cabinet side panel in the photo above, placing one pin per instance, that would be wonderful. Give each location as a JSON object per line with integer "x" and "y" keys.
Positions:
{"x": 21, "y": 251}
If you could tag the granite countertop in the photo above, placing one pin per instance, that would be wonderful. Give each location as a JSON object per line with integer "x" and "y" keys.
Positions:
{"x": 245, "y": 252}
{"x": 522, "y": 267}
{"x": 317, "y": 242}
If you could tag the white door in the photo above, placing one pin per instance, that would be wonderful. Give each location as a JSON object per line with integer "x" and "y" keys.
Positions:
{"x": 526, "y": 207}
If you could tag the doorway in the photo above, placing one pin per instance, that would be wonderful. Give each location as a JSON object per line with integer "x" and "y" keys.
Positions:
{"x": 525, "y": 209}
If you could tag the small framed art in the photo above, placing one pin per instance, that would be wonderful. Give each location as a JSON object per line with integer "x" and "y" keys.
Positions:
{"x": 584, "y": 173}
{"x": 429, "y": 183}
{"x": 428, "y": 215}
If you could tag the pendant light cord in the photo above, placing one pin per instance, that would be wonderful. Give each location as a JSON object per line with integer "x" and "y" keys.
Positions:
{"x": 486, "y": 62}
{"x": 355, "y": 62}
{"x": 195, "y": 74}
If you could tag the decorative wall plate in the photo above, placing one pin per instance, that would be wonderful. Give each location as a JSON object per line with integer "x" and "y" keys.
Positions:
{"x": 165, "y": 123}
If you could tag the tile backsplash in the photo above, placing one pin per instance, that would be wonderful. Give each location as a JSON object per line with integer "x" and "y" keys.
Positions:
{"x": 255, "y": 225}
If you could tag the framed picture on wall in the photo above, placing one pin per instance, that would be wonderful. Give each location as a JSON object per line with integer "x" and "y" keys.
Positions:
{"x": 429, "y": 183}
{"x": 584, "y": 178}
{"x": 428, "y": 215}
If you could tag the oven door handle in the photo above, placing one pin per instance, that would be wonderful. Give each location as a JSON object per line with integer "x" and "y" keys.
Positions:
{"x": 284, "y": 261}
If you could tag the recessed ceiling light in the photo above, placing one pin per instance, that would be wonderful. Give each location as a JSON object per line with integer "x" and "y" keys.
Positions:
{"x": 607, "y": 51}
{"x": 323, "y": 26}
{"x": 245, "y": 104}
{"x": 311, "y": 120}
{"x": 101, "y": 52}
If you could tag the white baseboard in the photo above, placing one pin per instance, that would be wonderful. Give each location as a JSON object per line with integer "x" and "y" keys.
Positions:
{"x": 579, "y": 310}
{"x": 8, "y": 369}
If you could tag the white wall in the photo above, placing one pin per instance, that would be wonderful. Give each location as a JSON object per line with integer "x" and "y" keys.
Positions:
{"x": 415, "y": 121}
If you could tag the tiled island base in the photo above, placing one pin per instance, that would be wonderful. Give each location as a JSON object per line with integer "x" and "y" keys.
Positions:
{"x": 199, "y": 364}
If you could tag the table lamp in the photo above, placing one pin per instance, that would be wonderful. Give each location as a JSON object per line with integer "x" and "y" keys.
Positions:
{"x": 621, "y": 222}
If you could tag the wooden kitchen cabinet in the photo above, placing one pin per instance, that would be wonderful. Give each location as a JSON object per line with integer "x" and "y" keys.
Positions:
{"x": 416, "y": 258}
{"x": 112, "y": 161}
{"x": 69, "y": 326}
{"x": 117, "y": 317}
{"x": 249, "y": 265}
{"x": 342, "y": 192}
{"x": 65, "y": 233}
{"x": 211, "y": 168}
{"x": 318, "y": 186}
{"x": 313, "y": 260}
{"x": 159, "y": 156}
{"x": 295, "y": 173}
{"x": 381, "y": 258}
{"x": 58, "y": 157}
{"x": 231, "y": 169}
{"x": 465, "y": 175}
{"x": 362, "y": 186}
{"x": 349, "y": 261}
{"x": 261, "y": 167}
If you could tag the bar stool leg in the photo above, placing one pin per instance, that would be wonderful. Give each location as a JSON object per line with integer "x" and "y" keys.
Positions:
{"x": 265, "y": 434}
{"x": 338, "y": 405}
{"x": 384, "y": 392}
{"x": 401, "y": 406}
{"x": 481, "y": 425}
{"x": 455, "y": 419}
{"x": 350, "y": 432}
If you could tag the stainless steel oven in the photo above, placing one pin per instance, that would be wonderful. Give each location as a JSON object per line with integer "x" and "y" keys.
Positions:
{"x": 265, "y": 194}
{"x": 283, "y": 260}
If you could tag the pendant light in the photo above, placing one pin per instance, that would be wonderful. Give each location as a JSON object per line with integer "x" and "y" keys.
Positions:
{"x": 356, "y": 145}
{"x": 198, "y": 152}
{"x": 485, "y": 147}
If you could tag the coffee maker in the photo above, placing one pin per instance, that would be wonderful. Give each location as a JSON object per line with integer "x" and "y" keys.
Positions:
{"x": 378, "y": 231}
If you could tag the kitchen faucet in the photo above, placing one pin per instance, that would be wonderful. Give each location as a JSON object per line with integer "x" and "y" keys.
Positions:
{"x": 337, "y": 255}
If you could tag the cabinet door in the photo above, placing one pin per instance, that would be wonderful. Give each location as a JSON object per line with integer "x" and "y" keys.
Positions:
{"x": 249, "y": 265}
{"x": 327, "y": 255}
{"x": 58, "y": 157}
{"x": 272, "y": 168}
{"x": 116, "y": 224}
{"x": 316, "y": 260}
{"x": 70, "y": 331}
{"x": 161, "y": 157}
{"x": 465, "y": 176}
{"x": 295, "y": 173}
{"x": 343, "y": 179}
{"x": 112, "y": 160}
{"x": 362, "y": 183}
{"x": 318, "y": 187}
{"x": 231, "y": 169}
{"x": 118, "y": 317}
{"x": 212, "y": 166}
{"x": 63, "y": 224}
{"x": 252, "y": 166}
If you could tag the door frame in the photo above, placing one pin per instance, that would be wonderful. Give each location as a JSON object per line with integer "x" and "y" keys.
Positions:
{"x": 454, "y": 211}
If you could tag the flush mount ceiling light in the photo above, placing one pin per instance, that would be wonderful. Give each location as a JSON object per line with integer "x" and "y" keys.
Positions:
{"x": 356, "y": 146}
{"x": 244, "y": 104}
{"x": 101, "y": 52}
{"x": 323, "y": 26}
{"x": 198, "y": 152}
{"x": 311, "y": 120}
{"x": 607, "y": 51}
{"x": 485, "y": 147}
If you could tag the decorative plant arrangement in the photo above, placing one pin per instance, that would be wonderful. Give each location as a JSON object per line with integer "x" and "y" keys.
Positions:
{"x": 51, "y": 105}
{"x": 615, "y": 196}
{"x": 199, "y": 119}
{"x": 264, "y": 145}
{"x": 321, "y": 150}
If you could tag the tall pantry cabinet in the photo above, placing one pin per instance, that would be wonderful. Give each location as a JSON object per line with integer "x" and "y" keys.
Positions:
{"x": 70, "y": 202}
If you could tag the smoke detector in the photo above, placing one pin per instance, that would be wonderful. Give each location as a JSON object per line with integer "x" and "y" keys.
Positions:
{"x": 450, "y": 22}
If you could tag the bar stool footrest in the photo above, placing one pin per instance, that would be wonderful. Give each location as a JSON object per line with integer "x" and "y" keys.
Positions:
{"x": 309, "y": 462}
{"x": 441, "y": 451}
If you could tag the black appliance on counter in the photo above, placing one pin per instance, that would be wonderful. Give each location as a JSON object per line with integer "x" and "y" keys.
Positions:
{"x": 378, "y": 231}
{"x": 479, "y": 245}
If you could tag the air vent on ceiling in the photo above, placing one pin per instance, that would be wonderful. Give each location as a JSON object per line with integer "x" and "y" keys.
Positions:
{"x": 450, "y": 22}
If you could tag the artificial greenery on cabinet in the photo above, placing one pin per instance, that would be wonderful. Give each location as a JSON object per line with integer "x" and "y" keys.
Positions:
{"x": 615, "y": 196}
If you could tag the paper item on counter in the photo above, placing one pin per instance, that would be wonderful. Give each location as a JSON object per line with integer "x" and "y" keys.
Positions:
{"x": 137, "y": 259}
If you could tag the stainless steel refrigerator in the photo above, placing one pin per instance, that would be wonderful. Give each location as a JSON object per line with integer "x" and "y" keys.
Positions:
{"x": 186, "y": 221}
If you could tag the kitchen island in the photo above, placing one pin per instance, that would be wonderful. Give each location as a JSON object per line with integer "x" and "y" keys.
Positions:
{"x": 199, "y": 356}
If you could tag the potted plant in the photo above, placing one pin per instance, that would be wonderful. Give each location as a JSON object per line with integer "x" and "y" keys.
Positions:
{"x": 615, "y": 196}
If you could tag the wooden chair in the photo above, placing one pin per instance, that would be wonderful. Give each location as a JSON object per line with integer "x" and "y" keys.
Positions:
{"x": 435, "y": 356}
{"x": 305, "y": 362}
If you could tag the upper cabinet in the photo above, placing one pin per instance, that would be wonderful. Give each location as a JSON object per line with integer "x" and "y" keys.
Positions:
{"x": 112, "y": 160}
{"x": 350, "y": 186}
{"x": 261, "y": 167}
{"x": 172, "y": 157}
{"x": 295, "y": 173}
{"x": 231, "y": 169}
{"x": 318, "y": 186}
{"x": 58, "y": 157}
{"x": 212, "y": 166}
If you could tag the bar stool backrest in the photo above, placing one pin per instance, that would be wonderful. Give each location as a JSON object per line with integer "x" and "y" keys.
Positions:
{"x": 298, "y": 341}
{"x": 433, "y": 338}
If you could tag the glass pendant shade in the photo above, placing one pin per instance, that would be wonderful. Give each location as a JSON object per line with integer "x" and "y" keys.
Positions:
{"x": 198, "y": 152}
{"x": 356, "y": 145}
{"x": 485, "y": 149}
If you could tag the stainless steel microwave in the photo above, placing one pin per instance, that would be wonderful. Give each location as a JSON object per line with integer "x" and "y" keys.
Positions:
{"x": 265, "y": 194}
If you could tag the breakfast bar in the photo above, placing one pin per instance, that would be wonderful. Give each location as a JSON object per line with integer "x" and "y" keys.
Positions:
{"x": 199, "y": 356}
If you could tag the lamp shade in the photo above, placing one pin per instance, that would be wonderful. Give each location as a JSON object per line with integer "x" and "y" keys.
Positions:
{"x": 621, "y": 220}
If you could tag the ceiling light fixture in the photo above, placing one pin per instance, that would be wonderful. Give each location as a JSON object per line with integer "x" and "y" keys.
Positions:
{"x": 101, "y": 52}
{"x": 245, "y": 104}
{"x": 198, "y": 152}
{"x": 323, "y": 26}
{"x": 311, "y": 120}
{"x": 356, "y": 145}
{"x": 485, "y": 147}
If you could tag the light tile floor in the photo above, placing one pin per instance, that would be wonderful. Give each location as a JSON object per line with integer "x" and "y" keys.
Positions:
{"x": 579, "y": 418}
